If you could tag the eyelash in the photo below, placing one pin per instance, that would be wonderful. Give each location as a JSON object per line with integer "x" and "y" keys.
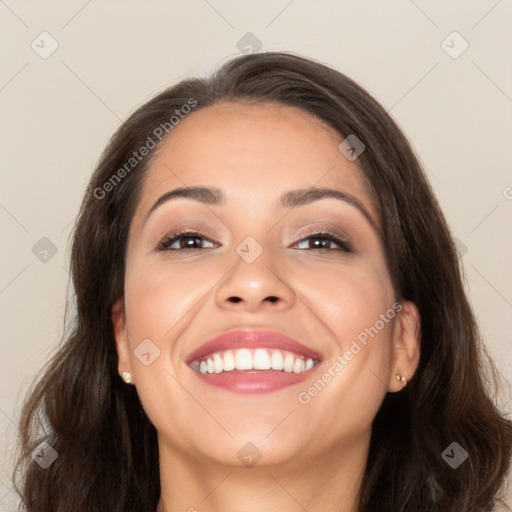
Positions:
{"x": 197, "y": 233}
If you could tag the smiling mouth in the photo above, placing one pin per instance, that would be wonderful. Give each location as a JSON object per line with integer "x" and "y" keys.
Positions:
{"x": 257, "y": 360}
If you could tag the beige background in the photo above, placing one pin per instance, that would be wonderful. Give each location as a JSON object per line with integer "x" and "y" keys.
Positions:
{"x": 58, "y": 112}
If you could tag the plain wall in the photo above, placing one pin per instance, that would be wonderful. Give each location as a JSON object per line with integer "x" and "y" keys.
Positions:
{"x": 58, "y": 112}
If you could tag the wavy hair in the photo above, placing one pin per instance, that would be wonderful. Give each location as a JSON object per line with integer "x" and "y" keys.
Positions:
{"x": 107, "y": 447}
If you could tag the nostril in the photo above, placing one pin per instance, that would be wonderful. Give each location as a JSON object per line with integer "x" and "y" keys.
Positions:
{"x": 271, "y": 298}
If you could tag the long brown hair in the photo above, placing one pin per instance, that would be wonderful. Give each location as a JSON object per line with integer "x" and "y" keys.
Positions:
{"x": 107, "y": 447}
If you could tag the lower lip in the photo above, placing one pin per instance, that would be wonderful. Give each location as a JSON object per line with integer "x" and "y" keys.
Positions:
{"x": 249, "y": 383}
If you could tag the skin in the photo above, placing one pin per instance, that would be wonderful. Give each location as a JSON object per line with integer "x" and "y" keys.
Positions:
{"x": 314, "y": 454}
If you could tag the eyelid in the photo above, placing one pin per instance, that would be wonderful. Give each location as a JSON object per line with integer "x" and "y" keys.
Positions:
{"x": 325, "y": 230}
{"x": 325, "y": 227}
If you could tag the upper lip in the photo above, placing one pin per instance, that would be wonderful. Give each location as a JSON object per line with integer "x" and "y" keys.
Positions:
{"x": 251, "y": 338}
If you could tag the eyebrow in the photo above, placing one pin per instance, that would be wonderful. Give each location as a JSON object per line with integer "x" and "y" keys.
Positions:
{"x": 214, "y": 197}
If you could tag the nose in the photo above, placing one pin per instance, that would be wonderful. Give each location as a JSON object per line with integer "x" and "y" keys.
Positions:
{"x": 256, "y": 285}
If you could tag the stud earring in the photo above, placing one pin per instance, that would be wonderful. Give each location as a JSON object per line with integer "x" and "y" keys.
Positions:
{"x": 127, "y": 377}
{"x": 401, "y": 379}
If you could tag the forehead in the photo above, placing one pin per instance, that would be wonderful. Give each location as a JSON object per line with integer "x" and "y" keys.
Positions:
{"x": 252, "y": 152}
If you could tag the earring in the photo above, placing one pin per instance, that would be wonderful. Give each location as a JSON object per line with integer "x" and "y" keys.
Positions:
{"x": 401, "y": 379}
{"x": 127, "y": 377}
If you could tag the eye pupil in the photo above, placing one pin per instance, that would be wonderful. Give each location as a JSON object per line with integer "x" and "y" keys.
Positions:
{"x": 188, "y": 241}
{"x": 320, "y": 242}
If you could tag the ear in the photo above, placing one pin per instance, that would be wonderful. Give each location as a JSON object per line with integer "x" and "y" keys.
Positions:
{"x": 121, "y": 335}
{"x": 406, "y": 345}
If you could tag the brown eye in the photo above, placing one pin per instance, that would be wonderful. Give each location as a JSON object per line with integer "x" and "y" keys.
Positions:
{"x": 322, "y": 240}
{"x": 186, "y": 240}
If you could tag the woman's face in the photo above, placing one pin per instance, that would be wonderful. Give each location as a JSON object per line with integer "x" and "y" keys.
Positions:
{"x": 259, "y": 266}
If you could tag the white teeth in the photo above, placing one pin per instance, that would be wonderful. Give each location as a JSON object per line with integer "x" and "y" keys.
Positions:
{"x": 217, "y": 362}
{"x": 255, "y": 359}
{"x": 229, "y": 361}
{"x": 298, "y": 365}
{"x": 277, "y": 360}
{"x": 243, "y": 359}
{"x": 261, "y": 360}
{"x": 288, "y": 363}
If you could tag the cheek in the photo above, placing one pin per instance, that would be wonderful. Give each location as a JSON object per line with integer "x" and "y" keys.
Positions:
{"x": 355, "y": 309}
{"x": 162, "y": 300}
{"x": 158, "y": 299}
{"x": 347, "y": 299}
{"x": 160, "y": 304}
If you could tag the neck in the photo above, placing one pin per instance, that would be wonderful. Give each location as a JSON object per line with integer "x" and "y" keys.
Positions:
{"x": 326, "y": 482}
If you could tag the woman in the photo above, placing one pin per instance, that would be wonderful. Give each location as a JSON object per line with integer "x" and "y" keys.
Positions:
{"x": 270, "y": 316}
